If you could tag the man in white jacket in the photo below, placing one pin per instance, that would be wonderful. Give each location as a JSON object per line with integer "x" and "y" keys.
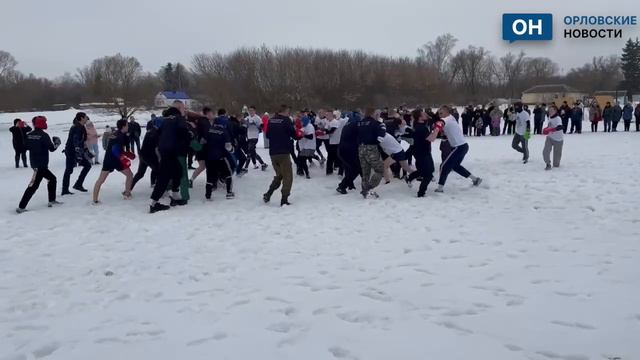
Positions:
{"x": 254, "y": 124}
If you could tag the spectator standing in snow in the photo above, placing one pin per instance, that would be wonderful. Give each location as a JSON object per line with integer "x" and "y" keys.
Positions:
{"x": 565, "y": 114}
{"x": 496, "y": 115}
{"x": 607, "y": 116}
{"x": 280, "y": 133}
{"x": 467, "y": 120}
{"x": 322, "y": 138}
{"x": 106, "y": 135}
{"x": 539, "y": 113}
{"x": 636, "y": 113}
{"x": 595, "y": 116}
{"x": 134, "y": 135}
{"x": 19, "y": 132}
{"x": 39, "y": 145}
{"x": 448, "y": 125}
{"x": 576, "y": 119}
{"x": 76, "y": 153}
{"x": 92, "y": 141}
{"x": 627, "y": 115}
{"x": 617, "y": 115}
{"x": 116, "y": 158}
{"x": 554, "y": 140}
{"x": 520, "y": 141}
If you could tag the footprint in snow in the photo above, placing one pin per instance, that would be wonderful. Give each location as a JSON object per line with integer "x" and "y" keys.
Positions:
{"x": 341, "y": 353}
{"x": 576, "y": 325}
{"x": 45, "y": 350}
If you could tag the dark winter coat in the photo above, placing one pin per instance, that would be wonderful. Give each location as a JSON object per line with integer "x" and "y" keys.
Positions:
{"x": 280, "y": 134}
{"x": 617, "y": 112}
{"x": 39, "y": 145}
{"x": 174, "y": 136}
{"x": 218, "y": 140}
{"x": 134, "y": 130}
{"x": 76, "y": 140}
{"x": 576, "y": 114}
{"x": 607, "y": 113}
{"x": 149, "y": 145}
{"x": 627, "y": 112}
{"x": 369, "y": 130}
{"x": 19, "y": 136}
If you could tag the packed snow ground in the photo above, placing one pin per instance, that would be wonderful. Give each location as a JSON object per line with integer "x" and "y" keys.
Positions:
{"x": 532, "y": 265}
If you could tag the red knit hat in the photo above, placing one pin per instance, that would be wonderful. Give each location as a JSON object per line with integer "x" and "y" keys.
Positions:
{"x": 40, "y": 122}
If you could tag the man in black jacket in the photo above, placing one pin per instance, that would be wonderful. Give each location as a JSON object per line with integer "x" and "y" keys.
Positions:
{"x": 467, "y": 120}
{"x": 539, "y": 113}
{"x": 173, "y": 134}
{"x": 281, "y": 134}
{"x": 39, "y": 144}
{"x": 76, "y": 153}
{"x": 348, "y": 153}
{"x": 369, "y": 130}
{"x": 217, "y": 144}
{"x": 134, "y": 135}
{"x": 19, "y": 132}
{"x": 148, "y": 155}
{"x": 565, "y": 114}
{"x": 576, "y": 119}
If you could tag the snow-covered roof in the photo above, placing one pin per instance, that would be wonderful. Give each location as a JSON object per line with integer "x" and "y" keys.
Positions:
{"x": 175, "y": 95}
{"x": 554, "y": 88}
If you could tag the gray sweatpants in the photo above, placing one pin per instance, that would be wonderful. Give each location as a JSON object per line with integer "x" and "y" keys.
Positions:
{"x": 521, "y": 145}
{"x": 557, "y": 151}
{"x": 370, "y": 161}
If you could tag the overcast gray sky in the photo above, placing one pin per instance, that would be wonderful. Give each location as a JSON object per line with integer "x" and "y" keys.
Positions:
{"x": 49, "y": 38}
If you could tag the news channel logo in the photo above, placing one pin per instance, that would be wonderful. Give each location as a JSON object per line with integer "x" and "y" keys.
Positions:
{"x": 527, "y": 27}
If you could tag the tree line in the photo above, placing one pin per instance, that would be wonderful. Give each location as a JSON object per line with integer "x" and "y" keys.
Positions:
{"x": 304, "y": 77}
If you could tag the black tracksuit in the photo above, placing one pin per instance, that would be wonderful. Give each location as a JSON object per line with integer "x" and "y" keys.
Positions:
{"x": 39, "y": 145}
{"x": 467, "y": 120}
{"x": 174, "y": 138}
{"x": 76, "y": 153}
{"x": 422, "y": 153}
{"x": 19, "y": 139}
{"x": 218, "y": 141}
{"x": 134, "y": 136}
{"x": 348, "y": 154}
{"x": 538, "y": 120}
{"x": 239, "y": 142}
{"x": 148, "y": 156}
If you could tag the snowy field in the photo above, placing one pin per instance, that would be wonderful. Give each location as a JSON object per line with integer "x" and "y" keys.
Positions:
{"x": 532, "y": 265}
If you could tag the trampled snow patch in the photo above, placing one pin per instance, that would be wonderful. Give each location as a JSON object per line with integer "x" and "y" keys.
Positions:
{"x": 537, "y": 265}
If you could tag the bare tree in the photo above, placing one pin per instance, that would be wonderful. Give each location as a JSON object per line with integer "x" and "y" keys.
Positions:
{"x": 602, "y": 73}
{"x": 115, "y": 79}
{"x": 7, "y": 65}
{"x": 437, "y": 53}
{"x": 473, "y": 68}
{"x": 510, "y": 71}
{"x": 540, "y": 69}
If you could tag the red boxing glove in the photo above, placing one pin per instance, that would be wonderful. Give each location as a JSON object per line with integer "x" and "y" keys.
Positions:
{"x": 299, "y": 134}
{"x": 320, "y": 132}
{"x": 547, "y": 131}
{"x": 439, "y": 126}
{"x": 298, "y": 124}
{"x": 126, "y": 163}
{"x": 129, "y": 154}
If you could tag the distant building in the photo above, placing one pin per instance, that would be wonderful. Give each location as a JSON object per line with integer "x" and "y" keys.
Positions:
{"x": 166, "y": 98}
{"x": 546, "y": 94}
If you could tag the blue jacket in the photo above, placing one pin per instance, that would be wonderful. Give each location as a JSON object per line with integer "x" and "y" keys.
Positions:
{"x": 218, "y": 140}
{"x": 627, "y": 112}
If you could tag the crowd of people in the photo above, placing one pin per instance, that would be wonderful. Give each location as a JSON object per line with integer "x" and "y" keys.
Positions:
{"x": 374, "y": 145}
